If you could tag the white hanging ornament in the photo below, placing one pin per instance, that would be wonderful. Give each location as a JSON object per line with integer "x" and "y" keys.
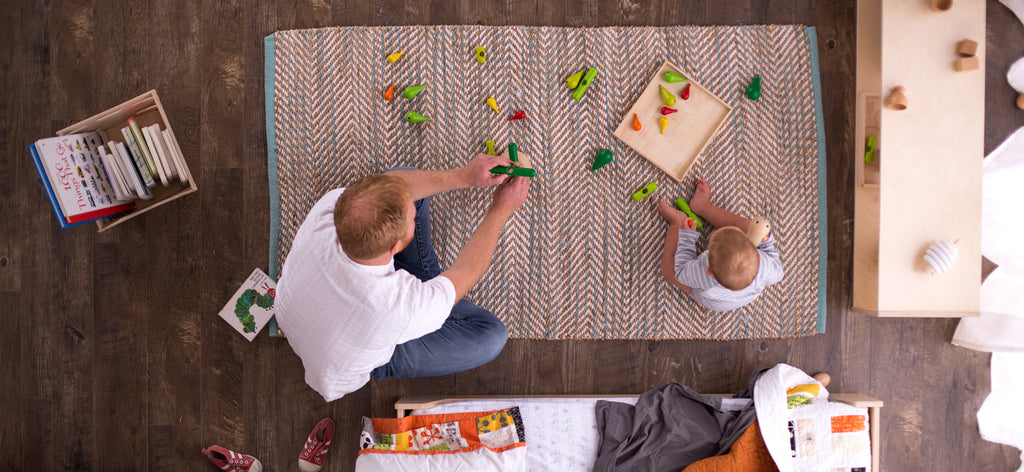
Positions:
{"x": 941, "y": 256}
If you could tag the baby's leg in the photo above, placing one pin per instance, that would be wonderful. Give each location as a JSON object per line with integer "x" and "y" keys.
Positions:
{"x": 718, "y": 217}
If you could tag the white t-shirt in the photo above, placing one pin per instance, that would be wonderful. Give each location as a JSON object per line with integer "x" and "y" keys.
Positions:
{"x": 343, "y": 318}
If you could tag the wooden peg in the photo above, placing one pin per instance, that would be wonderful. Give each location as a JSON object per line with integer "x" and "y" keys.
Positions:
{"x": 966, "y": 64}
{"x": 758, "y": 229}
{"x": 942, "y": 5}
{"x": 823, "y": 378}
{"x": 1020, "y": 101}
{"x": 967, "y": 48}
{"x": 896, "y": 99}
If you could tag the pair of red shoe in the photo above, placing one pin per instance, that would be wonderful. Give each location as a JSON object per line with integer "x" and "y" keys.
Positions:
{"x": 311, "y": 459}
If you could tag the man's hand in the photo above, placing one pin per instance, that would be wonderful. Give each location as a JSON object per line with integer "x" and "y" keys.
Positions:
{"x": 511, "y": 195}
{"x": 477, "y": 172}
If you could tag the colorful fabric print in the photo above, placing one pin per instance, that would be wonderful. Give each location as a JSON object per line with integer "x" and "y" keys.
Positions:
{"x": 849, "y": 424}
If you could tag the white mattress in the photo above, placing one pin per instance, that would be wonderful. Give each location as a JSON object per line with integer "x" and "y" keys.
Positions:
{"x": 561, "y": 433}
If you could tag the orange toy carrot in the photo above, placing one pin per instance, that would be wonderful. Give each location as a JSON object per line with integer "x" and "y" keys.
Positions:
{"x": 636, "y": 122}
{"x": 390, "y": 92}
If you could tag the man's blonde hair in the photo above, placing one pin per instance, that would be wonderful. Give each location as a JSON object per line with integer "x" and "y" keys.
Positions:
{"x": 370, "y": 216}
{"x": 733, "y": 259}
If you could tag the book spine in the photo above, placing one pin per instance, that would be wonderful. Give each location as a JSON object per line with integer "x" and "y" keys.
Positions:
{"x": 161, "y": 150}
{"x": 134, "y": 173}
{"x": 40, "y": 168}
{"x": 160, "y": 168}
{"x": 141, "y": 141}
{"x": 108, "y": 166}
{"x": 122, "y": 175}
{"x": 140, "y": 161}
{"x": 172, "y": 141}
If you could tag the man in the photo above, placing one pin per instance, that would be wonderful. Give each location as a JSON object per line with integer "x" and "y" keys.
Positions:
{"x": 362, "y": 294}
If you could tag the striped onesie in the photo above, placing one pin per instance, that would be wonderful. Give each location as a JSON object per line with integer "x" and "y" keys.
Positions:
{"x": 692, "y": 271}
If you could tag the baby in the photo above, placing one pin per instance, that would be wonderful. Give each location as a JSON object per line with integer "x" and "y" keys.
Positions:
{"x": 731, "y": 272}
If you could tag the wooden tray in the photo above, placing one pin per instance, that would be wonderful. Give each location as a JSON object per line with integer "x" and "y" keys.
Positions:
{"x": 689, "y": 130}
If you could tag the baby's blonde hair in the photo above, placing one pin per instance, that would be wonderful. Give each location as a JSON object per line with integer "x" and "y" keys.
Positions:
{"x": 733, "y": 259}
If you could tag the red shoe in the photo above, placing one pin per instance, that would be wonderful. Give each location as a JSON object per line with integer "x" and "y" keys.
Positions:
{"x": 232, "y": 461}
{"x": 314, "y": 452}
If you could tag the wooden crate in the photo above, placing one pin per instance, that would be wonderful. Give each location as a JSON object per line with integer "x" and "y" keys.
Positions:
{"x": 147, "y": 110}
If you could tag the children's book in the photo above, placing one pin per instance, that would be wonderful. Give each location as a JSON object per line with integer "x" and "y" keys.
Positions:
{"x": 179, "y": 160}
{"x": 252, "y": 305}
{"x": 140, "y": 140}
{"x": 76, "y": 183}
{"x": 140, "y": 159}
{"x": 134, "y": 175}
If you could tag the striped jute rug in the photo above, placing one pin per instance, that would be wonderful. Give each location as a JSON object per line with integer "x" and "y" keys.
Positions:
{"x": 580, "y": 259}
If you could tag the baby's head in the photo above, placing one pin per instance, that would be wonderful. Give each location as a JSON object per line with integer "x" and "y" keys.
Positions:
{"x": 732, "y": 258}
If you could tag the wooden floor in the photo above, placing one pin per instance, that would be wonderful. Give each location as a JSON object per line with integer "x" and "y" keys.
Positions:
{"x": 112, "y": 356}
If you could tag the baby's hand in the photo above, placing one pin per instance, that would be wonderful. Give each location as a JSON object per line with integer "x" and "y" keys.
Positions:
{"x": 673, "y": 216}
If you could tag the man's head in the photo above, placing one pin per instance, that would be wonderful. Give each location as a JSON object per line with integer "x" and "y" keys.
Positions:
{"x": 732, "y": 258}
{"x": 374, "y": 217}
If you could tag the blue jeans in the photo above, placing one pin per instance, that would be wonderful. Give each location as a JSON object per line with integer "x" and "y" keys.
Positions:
{"x": 470, "y": 337}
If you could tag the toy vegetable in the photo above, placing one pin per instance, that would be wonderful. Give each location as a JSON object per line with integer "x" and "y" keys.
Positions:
{"x": 413, "y": 117}
{"x": 413, "y": 91}
{"x": 667, "y": 96}
{"x": 603, "y": 157}
{"x": 672, "y": 77}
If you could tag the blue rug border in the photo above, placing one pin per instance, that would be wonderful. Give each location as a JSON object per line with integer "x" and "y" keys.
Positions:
{"x": 275, "y": 211}
{"x": 812, "y": 40}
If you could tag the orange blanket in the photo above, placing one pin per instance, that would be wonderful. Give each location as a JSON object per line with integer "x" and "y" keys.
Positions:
{"x": 748, "y": 454}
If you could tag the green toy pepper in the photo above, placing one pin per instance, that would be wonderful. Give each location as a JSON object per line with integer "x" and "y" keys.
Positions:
{"x": 413, "y": 117}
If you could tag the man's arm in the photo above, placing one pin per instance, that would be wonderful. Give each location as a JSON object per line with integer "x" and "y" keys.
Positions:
{"x": 476, "y": 173}
{"x": 472, "y": 262}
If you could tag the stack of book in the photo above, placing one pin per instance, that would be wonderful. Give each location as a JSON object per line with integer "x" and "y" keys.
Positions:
{"x": 88, "y": 176}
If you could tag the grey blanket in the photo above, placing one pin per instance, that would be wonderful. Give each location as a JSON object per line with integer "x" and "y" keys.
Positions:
{"x": 670, "y": 428}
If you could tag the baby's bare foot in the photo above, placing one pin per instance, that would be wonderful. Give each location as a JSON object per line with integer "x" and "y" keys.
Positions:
{"x": 669, "y": 213}
{"x": 701, "y": 197}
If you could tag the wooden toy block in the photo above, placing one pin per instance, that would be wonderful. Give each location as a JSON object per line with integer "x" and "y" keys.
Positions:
{"x": 966, "y": 64}
{"x": 897, "y": 100}
{"x": 967, "y": 47}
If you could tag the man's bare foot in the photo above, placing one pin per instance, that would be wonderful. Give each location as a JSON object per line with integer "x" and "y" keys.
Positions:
{"x": 701, "y": 197}
{"x": 670, "y": 214}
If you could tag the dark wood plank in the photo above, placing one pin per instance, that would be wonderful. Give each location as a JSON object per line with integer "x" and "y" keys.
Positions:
{"x": 120, "y": 384}
{"x": 176, "y": 448}
{"x": 174, "y": 332}
{"x": 224, "y": 353}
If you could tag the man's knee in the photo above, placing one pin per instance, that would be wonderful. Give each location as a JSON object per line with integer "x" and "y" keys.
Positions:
{"x": 493, "y": 338}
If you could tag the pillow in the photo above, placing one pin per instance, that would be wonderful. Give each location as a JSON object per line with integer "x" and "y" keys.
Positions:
{"x": 489, "y": 441}
{"x": 748, "y": 454}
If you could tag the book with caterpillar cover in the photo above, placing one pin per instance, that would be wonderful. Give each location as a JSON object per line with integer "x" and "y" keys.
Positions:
{"x": 252, "y": 305}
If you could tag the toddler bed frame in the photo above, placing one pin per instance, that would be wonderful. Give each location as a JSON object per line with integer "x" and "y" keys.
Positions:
{"x": 408, "y": 403}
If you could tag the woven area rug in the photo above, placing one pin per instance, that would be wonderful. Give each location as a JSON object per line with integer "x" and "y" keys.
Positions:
{"x": 580, "y": 259}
